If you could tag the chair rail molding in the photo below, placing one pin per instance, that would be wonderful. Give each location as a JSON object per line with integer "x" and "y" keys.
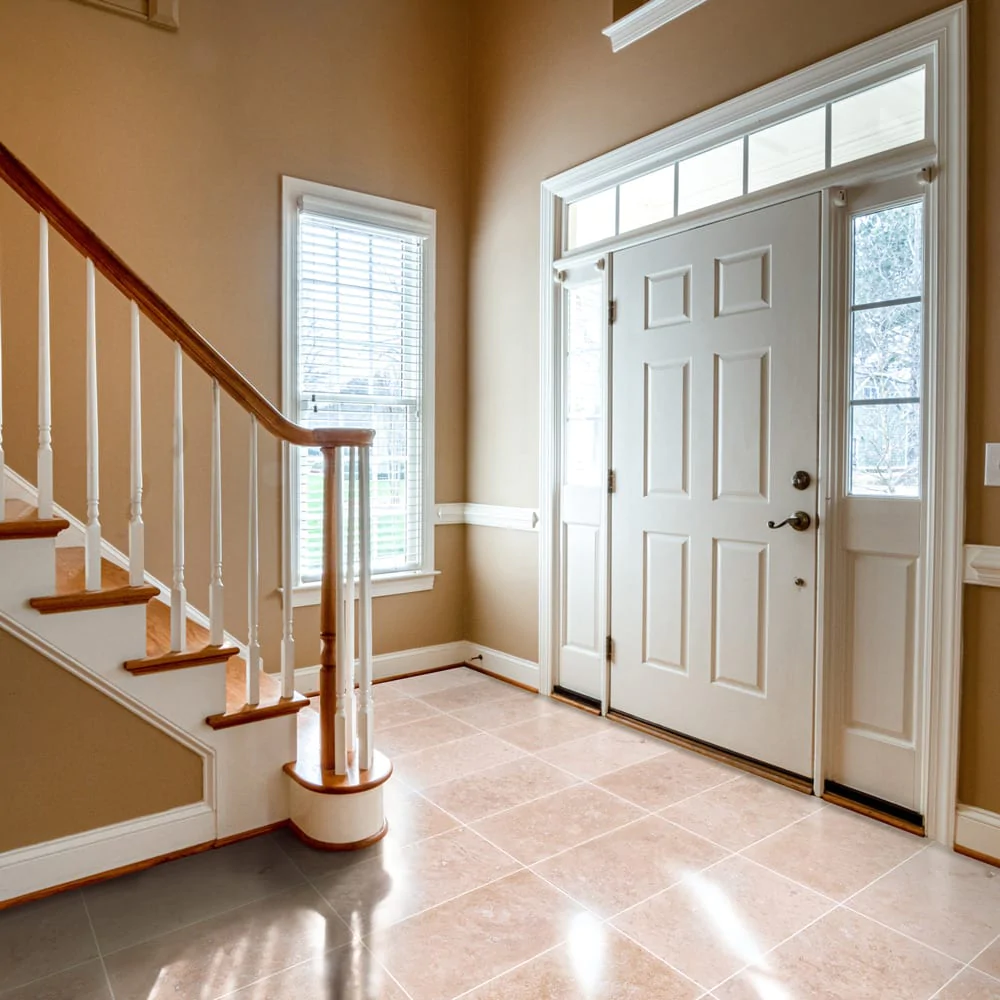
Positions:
{"x": 487, "y": 516}
{"x": 982, "y": 565}
{"x": 646, "y": 19}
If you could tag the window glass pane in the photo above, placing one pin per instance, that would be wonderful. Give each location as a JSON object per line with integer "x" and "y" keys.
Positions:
{"x": 887, "y": 116}
{"x": 887, "y": 348}
{"x": 889, "y": 254}
{"x": 787, "y": 150}
{"x": 360, "y": 364}
{"x": 584, "y": 394}
{"x": 711, "y": 177}
{"x": 646, "y": 200}
{"x": 592, "y": 219}
{"x": 885, "y": 449}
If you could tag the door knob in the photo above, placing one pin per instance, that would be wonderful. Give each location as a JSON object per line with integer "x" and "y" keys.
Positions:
{"x": 799, "y": 521}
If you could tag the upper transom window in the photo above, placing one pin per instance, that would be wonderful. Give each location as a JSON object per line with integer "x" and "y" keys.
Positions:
{"x": 886, "y": 116}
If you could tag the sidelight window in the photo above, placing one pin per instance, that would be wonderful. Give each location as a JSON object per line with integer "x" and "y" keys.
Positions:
{"x": 887, "y": 336}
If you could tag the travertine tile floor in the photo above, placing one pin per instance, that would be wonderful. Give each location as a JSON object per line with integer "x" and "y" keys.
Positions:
{"x": 535, "y": 853}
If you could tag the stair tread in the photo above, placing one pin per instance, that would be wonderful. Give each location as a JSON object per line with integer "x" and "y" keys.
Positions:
{"x": 21, "y": 520}
{"x": 271, "y": 704}
{"x": 71, "y": 593}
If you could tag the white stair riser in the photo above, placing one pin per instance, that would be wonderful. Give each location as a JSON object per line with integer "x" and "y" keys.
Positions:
{"x": 252, "y": 791}
{"x": 27, "y": 569}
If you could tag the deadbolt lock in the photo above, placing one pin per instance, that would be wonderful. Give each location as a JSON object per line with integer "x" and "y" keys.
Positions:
{"x": 801, "y": 480}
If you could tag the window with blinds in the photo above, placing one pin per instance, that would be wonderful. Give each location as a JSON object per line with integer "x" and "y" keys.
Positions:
{"x": 360, "y": 317}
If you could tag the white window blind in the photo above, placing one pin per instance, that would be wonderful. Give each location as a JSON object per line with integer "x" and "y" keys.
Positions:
{"x": 359, "y": 350}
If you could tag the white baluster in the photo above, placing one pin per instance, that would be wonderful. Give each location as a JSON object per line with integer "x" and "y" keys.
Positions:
{"x": 136, "y": 529}
{"x": 253, "y": 590}
{"x": 45, "y": 501}
{"x": 350, "y": 594}
{"x": 215, "y": 593}
{"x": 340, "y": 718}
{"x": 92, "y": 538}
{"x": 287, "y": 583}
{"x": 178, "y": 593}
{"x": 366, "y": 708}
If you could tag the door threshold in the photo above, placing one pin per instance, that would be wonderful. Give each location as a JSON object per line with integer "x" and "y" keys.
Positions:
{"x": 789, "y": 779}
{"x": 874, "y": 808}
{"x": 592, "y": 705}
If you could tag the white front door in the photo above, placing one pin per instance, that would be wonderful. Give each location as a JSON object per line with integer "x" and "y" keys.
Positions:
{"x": 715, "y": 409}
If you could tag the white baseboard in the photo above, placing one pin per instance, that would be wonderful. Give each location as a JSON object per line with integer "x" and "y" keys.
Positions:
{"x": 83, "y": 855}
{"x": 512, "y": 668}
{"x": 978, "y": 830}
{"x": 425, "y": 658}
{"x": 387, "y": 665}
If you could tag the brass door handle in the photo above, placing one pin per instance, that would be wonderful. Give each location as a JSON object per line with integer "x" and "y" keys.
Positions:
{"x": 799, "y": 521}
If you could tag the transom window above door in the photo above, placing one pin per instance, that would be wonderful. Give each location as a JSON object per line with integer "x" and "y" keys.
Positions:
{"x": 358, "y": 350}
{"x": 875, "y": 119}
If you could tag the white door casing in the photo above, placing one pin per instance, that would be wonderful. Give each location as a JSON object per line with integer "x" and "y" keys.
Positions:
{"x": 583, "y": 496}
{"x": 715, "y": 399}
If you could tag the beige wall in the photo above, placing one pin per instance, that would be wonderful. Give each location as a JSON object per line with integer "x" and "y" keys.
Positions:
{"x": 623, "y": 7}
{"x": 109, "y": 766}
{"x": 547, "y": 99}
{"x": 172, "y": 146}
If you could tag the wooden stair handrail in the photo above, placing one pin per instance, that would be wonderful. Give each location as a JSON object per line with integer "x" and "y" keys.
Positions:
{"x": 76, "y": 232}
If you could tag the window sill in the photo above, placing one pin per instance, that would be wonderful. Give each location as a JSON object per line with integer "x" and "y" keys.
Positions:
{"x": 386, "y": 585}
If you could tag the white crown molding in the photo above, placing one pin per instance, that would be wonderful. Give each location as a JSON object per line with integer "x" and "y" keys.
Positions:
{"x": 646, "y": 19}
{"x": 978, "y": 830}
{"x": 982, "y": 565}
{"x": 487, "y": 516}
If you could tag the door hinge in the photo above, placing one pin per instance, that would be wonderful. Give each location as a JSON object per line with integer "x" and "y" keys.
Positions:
{"x": 612, "y": 481}
{"x": 612, "y": 311}
{"x": 609, "y": 649}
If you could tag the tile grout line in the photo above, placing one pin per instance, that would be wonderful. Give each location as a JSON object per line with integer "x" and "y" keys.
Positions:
{"x": 97, "y": 945}
{"x": 8, "y": 990}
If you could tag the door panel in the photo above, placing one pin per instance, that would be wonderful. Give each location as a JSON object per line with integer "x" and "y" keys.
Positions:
{"x": 715, "y": 402}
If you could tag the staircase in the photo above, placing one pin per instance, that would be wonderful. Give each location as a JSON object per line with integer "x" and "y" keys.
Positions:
{"x": 98, "y": 612}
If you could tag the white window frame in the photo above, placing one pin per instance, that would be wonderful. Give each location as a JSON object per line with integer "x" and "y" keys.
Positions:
{"x": 942, "y": 41}
{"x": 367, "y": 209}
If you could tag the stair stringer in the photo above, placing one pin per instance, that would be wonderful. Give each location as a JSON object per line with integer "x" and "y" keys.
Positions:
{"x": 249, "y": 787}
{"x": 39, "y": 867}
{"x": 18, "y": 488}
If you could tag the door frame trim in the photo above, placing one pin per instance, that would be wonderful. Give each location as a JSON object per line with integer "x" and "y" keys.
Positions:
{"x": 944, "y": 34}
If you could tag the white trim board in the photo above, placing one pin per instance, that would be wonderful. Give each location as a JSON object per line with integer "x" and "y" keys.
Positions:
{"x": 96, "y": 852}
{"x": 978, "y": 830}
{"x": 941, "y": 41}
{"x": 646, "y": 19}
{"x": 426, "y": 658}
{"x": 487, "y": 516}
{"x": 982, "y": 565}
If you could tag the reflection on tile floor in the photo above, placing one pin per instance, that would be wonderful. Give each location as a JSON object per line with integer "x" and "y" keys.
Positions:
{"x": 535, "y": 853}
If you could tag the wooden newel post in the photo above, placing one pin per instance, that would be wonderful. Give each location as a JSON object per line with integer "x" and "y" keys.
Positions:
{"x": 328, "y": 616}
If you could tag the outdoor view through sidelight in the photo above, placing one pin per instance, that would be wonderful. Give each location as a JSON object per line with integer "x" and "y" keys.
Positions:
{"x": 887, "y": 284}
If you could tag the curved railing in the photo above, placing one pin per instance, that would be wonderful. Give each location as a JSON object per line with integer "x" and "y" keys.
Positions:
{"x": 346, "y": 573}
